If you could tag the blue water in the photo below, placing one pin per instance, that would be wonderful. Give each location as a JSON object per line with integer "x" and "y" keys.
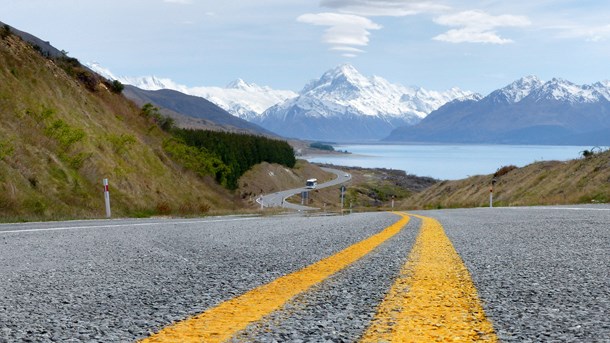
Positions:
{"x": 448, "y": 162}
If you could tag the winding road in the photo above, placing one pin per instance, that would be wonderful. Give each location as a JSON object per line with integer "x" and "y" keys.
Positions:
{"x": 530, "y": 275}
{"x": 278, "y": 199}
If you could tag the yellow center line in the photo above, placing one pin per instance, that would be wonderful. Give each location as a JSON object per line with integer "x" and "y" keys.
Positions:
{"x": 223, "y": 321}
{"x": 433, "y": 299}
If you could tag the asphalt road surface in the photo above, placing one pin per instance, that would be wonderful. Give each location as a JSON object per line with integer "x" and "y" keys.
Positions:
{"x": 542, "y": 274}
{"x": 278, "y": 199}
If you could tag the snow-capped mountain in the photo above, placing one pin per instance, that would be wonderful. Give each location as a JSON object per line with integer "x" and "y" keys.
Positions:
{"x": 528, "y": 111}
{"x": 517, "y": 90}
{"x": 245, "y": 100}
{"x": 345, "y": 105}
{"x": 566, "y": 91}
{"x": 242, "y": 99}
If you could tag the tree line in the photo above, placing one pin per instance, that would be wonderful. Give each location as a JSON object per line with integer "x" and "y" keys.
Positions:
{"x": 238, "y": 152}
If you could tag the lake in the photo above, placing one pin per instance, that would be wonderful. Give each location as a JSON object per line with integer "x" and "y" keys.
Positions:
{"x": 448, "y": 162}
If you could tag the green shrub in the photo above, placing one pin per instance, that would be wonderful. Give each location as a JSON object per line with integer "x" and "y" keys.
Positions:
{"x": 149, "y": 111}
{"x": 120, "y": 144}
{"x": 64, "y": 134}
{"x": 5, "y": 31}
{"x": 6, "y": 149}
{"x": 78, "y": 160}
{"x": 197, "y": 159}
{"x": 117, "y": 87}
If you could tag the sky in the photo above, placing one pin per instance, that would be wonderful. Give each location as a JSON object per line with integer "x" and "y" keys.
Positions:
{"x": 474, "y": 45}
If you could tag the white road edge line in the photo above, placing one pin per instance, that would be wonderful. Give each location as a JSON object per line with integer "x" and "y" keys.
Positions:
{"x": 124, "y": 225}
{"x": 555, "y": 208}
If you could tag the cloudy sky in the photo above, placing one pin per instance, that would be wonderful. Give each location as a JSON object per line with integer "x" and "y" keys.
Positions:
{"x": 474, "y": 45}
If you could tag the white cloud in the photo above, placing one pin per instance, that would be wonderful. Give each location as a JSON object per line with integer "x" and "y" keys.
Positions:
{"x": 389, "y": 8}
{"x": 477, "y": 27}
{"x": 588, "y": 33}
{"x": 345, "y": 32}
{"x": 347, "y": 49}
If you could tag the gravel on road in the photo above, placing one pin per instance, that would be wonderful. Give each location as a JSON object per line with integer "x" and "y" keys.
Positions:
{"x": 120, "y": 282}
{"x": 542, "y": 273}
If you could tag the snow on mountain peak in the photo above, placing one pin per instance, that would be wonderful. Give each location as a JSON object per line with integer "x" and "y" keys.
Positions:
{"x": 243, "y": 85}
{"x": 557, "y": 89}
{"x": 240, "y": 98}
{"x": 519, "y": 89}
{"x": 344, "y": 90}
{"x": 566, "y": 91}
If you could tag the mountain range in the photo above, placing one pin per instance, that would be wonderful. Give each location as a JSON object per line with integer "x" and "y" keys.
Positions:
{"x": 241, "y": 99}
{"x": 528, "y": 111}
{"x": 342, "y": 105}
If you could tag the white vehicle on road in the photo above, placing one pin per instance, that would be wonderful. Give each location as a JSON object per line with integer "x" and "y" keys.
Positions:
{"x": 311, "y": 183}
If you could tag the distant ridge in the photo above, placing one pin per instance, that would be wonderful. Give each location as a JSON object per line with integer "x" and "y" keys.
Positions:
{"x": 240, "y": 98}
{"x": 195, "y": 107}
{"x": 528, "y": 111}
{"x": 45, "y": 47}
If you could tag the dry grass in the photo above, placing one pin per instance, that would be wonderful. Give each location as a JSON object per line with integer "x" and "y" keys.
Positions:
{"x": 585, "y": 180}
{"x": 59, "y": 140}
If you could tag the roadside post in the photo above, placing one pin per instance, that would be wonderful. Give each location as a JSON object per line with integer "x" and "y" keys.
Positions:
{"x": 107, "y": 198}
{"x": 342, "y": 197}
{"x": 392, "y": 202}
{"x": 491, "y": 192}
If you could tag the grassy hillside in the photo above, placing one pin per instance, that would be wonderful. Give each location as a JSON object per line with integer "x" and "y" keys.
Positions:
{"x": 585, "y": 180}
{"x": 62, "y": 134}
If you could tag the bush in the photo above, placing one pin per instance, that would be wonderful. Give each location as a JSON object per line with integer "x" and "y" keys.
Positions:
{"x": 120, "y": 144}
{"x": 197, "y": 159}
{"x": 6, "y": 149}
{"x": 117, "y": 87}
{"x": 504, "y": 170}
{"x": 149, "y": 111}
{"x": 65, "y": 135}
{"x": 5, "y": 31}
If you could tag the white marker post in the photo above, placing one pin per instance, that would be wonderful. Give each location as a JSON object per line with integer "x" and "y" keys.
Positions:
{"x": 491, "y": 196}
{"x": 491, "y": 193}
{"x": 107, "y": 198}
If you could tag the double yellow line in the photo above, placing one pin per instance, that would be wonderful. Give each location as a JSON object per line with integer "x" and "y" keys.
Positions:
{"x": 434, "y": 278}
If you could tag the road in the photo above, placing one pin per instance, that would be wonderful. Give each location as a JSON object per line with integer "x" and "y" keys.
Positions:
{"x": 541, "y": 274}
{"x": 278, "y": 199}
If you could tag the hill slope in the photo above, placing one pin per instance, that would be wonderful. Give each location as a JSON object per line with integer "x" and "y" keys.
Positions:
{"x": 194, "y": 107}
{"x": 59, "y": 139}
{"x": 585, "y": 180}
